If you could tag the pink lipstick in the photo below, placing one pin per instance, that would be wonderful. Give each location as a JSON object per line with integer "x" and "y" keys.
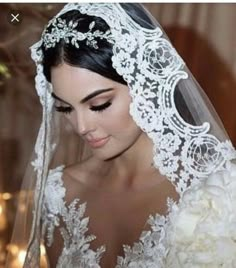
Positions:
{"x": 97, "y": 143}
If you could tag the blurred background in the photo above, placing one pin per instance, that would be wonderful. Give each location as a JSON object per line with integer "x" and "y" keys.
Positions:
{"x": 203, "y": 34}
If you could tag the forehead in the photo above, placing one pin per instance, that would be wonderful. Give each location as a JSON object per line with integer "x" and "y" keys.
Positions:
{"x": 68, "y": 79}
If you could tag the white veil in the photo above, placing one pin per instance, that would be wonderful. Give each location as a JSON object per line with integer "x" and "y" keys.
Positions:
{"x": 167, "y": 103}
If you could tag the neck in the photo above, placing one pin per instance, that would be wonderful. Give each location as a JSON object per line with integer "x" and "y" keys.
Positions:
{"x": 134, "y": 166}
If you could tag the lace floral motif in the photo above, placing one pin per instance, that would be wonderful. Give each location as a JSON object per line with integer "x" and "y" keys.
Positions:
{"x": 149, "y": 252}
{"x": 76, "y": 252}
{"x": 53, "y": 204}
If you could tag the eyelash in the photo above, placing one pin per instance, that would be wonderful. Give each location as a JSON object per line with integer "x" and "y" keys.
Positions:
{"x": 65, "y": 110}
{"x": 98, "y": 108}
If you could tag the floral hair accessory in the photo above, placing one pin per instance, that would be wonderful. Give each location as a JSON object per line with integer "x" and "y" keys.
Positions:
{"x": 70, "y": 34}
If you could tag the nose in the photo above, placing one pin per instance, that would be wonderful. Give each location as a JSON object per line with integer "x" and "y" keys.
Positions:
{"x": 84, "y": 124}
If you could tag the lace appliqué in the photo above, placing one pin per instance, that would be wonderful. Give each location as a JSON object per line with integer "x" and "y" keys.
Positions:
{"x": 76, "y": 251}
{"x": 54, "y": 205}
{"x": 152, "y": 249}
{"x": 149, "y": 252}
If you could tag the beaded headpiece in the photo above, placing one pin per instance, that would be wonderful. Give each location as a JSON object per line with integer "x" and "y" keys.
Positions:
{"x": 68, "y": 32}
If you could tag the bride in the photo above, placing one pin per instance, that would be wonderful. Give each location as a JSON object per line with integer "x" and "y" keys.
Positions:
{"x": 156, "y": 186}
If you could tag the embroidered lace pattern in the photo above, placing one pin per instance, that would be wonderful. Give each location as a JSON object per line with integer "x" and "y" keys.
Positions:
{"x": 150, "y": 251}
{"x": 76, "y": 252}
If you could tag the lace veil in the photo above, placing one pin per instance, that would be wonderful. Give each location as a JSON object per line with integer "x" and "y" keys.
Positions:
{"x": 189, "y": 141}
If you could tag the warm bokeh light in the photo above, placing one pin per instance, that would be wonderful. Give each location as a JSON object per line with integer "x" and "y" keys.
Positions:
{"x": 17, "y": 256}
{"x": 43, "y": 250}
{"x": 3, "y": 217}
{"x": 6, "y": 196}
{"x": 13, "y": 249}
{"x": 21, "y": 256}
{"x": 22, "y": 207}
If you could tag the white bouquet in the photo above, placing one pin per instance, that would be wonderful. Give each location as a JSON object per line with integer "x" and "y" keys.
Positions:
{"x": 202, "y": 229}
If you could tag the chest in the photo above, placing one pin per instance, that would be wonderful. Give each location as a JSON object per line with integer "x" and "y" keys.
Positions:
{"x": 114, "y": 219}
{"x": 118, "y": 220}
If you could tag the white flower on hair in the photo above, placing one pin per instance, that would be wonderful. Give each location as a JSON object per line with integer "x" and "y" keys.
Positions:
{"x": 202, "y": 230}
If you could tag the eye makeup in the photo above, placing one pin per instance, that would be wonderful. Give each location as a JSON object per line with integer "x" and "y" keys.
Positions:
{"x": 63, "y": 109}
{"x": 68, "y": 109}
{"x": 100, "y": 108}
{"x": 95, "y": 108}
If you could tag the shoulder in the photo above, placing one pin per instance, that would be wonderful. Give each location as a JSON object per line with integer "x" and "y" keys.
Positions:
{"x": 84, "y": 173}
{"x": 76, "y": 180}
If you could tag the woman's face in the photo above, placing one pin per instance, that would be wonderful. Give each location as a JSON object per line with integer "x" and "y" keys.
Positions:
{"x": 97, "y": 108}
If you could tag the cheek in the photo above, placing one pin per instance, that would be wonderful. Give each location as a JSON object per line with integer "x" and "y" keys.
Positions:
{"x": 72, "y": 121}
{"x": 118, "y": 120}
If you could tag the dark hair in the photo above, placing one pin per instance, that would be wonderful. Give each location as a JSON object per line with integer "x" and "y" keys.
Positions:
{"x": 99, "y": 60}
{"x": 96, "y": 60}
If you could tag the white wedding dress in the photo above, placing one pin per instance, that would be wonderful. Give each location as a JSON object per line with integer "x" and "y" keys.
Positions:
{"x": 150, "y": 251}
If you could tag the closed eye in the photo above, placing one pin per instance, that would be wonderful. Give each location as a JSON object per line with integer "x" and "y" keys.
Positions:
{"x": 97, "y": 108}
{"x": 63, "y": 109}
{"x": 100, "y": 108}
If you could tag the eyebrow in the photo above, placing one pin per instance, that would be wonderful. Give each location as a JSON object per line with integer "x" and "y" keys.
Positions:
{"x": 56, "y": 97}
{"x": 90, "y": 96}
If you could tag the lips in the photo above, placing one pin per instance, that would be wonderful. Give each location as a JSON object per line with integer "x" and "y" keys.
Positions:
{"x": 96, "y": 143}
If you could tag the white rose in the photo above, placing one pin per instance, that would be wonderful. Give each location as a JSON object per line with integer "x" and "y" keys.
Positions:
{"x": 202, "y": 230}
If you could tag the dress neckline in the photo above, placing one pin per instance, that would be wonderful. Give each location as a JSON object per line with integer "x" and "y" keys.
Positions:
{"x": 149, "y": 241}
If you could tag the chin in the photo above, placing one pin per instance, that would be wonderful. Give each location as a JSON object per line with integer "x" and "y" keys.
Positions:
{"x": 108, "y": 155}
{"x": 104, "y": 156}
